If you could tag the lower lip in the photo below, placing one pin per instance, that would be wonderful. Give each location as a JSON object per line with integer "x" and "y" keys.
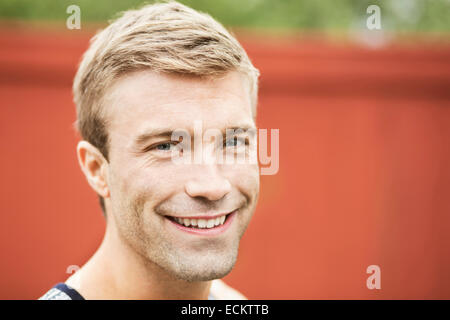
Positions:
{"x": 205, "y": 231}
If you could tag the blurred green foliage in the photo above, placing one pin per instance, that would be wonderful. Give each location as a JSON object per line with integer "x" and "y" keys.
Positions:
{"x": 397, "y": 15}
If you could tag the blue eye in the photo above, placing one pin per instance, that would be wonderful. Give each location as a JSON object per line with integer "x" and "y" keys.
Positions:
{"x": 235, "y": 142}
{"x": 165, "y": 146}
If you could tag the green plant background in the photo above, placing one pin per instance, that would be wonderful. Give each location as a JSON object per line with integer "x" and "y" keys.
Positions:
{"x": 397, "y": 15}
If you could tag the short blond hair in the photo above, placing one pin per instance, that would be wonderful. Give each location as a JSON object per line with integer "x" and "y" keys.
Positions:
{"x": 164, "y": 37}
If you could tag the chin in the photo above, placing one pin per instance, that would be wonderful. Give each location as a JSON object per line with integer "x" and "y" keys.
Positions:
{"x": 205, "y": 268}
{"x": 203, "y": 275}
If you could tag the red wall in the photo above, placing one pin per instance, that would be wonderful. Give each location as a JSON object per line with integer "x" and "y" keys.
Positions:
{"x": 364, "y": 170}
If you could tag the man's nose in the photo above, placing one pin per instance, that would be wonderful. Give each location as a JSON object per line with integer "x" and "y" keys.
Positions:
{"x": 208, "y": 183}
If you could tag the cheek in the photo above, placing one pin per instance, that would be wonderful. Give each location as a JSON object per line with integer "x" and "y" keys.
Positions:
{"x": 127, "y": 184}
{"x": 151, "y": 183}
{"x": 245, "y": 178}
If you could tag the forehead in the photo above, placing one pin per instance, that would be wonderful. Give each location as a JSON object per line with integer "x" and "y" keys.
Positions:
{"x": 145, "y": 99}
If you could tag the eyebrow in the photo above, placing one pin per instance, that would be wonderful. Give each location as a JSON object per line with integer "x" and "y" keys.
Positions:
{"x": 164, "y": 132}
{"x": 155, "y": 133}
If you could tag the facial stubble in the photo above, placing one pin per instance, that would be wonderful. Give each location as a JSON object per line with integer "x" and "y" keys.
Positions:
{"x": 201, "y": 259}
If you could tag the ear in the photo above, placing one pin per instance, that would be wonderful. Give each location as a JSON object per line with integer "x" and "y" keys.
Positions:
{"x": 94, "y": 166}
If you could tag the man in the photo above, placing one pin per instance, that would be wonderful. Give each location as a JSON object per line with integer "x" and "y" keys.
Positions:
{"x": 171, "y": 227}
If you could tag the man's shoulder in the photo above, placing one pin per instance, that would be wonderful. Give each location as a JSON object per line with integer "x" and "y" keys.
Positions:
{"x": 221, "y": 291}
{"x": 61, "y": 291}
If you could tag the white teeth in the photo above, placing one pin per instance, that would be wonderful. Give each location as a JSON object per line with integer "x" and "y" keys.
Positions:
{"x": 201, "y": 223}
{"x": 210, "y": 223}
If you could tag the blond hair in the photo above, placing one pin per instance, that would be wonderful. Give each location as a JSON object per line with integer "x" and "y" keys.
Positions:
{"x": 164, "y": 37}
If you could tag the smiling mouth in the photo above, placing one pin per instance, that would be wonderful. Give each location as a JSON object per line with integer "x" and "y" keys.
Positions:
{"x": 201, "y": 223}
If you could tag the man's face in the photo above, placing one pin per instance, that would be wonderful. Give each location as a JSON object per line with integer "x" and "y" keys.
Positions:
{"x": 150, "y": 193}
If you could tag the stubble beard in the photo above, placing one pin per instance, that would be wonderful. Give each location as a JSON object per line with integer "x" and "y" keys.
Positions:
{"x": 204, "y": 260}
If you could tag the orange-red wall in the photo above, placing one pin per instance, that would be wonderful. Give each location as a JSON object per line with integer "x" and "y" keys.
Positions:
{"x": 364, "y": 170}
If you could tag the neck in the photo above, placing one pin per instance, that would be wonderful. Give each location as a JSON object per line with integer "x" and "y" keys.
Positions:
{"x": 116, "y": 271}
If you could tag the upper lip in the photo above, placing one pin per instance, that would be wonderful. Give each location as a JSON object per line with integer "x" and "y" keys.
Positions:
{"x": 208, "y": 216}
